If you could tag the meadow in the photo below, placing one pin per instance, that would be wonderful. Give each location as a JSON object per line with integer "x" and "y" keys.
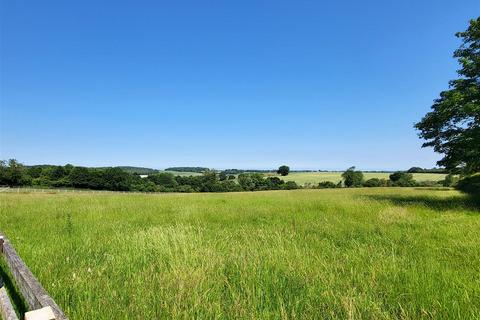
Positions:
{"x": 383, "y": 253}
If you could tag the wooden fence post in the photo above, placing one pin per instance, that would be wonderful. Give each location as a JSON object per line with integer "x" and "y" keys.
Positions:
{"x": 32, "y": 291}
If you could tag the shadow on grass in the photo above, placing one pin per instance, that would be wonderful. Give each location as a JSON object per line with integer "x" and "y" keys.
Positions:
{"x": 17, "y": 300}
{"x": 461, "y": 202}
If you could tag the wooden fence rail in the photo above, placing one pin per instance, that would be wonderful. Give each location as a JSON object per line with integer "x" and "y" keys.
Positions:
{"x": 7, "y": 312}
{"x": 32, "y": 291}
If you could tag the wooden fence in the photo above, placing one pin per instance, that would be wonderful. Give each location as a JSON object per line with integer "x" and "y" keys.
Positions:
{"x": 42, "y": 306}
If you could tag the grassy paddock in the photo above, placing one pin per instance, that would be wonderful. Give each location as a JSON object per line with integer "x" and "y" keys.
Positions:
{"x": 315, "y": 177}
{"x": 382, "y": 253}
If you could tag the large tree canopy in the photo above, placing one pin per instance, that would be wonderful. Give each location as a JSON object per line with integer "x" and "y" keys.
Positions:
{"x": 453, "y": 126}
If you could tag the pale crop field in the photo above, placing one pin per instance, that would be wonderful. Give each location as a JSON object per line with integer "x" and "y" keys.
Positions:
{"x": 314, "y": 178}
{"x": 379, "y": 253}
{"x": 182, "y": 173}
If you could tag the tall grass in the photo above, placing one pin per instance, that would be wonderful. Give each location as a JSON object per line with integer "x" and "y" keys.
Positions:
{"x": 366, "y": 253}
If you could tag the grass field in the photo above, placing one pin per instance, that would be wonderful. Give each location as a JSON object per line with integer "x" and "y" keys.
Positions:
{"x": 302, "y": 178}
{"x": 382, "y": 253}
{"x": 181, "y": 173}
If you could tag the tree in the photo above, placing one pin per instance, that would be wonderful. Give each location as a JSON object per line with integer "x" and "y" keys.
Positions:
{"x": 470, "y": 184}
{"x": 222, "y": 176}
{"x": 56, "y": 172}
{"x": 450, "y": 180}
{"x": 452, "y": 127}
{"x": 402, "y": 179}
{"x": 12, "y": 174}
{"x": 80, "y": 177}
{"x": 164, "y": 179}
{"x": 283, "y": 170}
{"x": 274, "y": 182}
{"x": 352, "y": 178}
{"x": 115, "y": 179}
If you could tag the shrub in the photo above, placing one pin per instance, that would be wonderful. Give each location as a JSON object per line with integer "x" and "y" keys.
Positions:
{"x": 375, "y": 182}
{"x": 450, "y": 180}
{"x": 290, "y": 185}
{"x": 184, "y": 188}
{"x": 326, "y": 185}
{"x": 470, "y": 184}
{"x": 274, "y": 182}
{"x": 402, "y": 179}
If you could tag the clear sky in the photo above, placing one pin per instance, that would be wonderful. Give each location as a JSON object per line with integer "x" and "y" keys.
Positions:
{"x": 224, "y": 84}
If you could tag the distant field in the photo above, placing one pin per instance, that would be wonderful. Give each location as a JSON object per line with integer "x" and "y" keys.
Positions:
{"x": 316, "y": 177}
{"x": 181, "y": 173}
{"x": 385, "y": 253}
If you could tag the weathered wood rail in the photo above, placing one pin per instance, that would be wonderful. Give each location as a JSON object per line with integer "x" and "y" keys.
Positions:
{"x": 7, "y": 312}
{"x": 38, "y": 300}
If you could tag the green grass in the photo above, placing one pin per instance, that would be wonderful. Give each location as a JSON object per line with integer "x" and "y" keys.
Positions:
{"x": 381, "y": 253}
{"x": 302, "y": 178}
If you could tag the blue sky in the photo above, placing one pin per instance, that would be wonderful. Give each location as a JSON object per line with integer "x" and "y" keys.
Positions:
{"x": 224, "y": 84}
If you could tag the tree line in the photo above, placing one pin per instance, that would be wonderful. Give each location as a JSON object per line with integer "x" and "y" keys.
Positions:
{"x": 13, "y": 173}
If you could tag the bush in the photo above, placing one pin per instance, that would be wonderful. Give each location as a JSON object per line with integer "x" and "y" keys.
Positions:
{"x": 402, "y": 179}
{"x": 375, "y": 182}
{"x": 429, "y": 184}
{"x": 450, "y": 180}
{"x": 290, "y": 185}
{"x": 326, "y": 185}
{"x": 274, "y": 182}
{"x": 470, "y": 184}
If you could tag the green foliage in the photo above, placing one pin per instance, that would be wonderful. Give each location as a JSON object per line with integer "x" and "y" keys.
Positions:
{"x": 283, "y": 170}
{"x": 326, "y": 185}
{"x": 116, "y": 179}
{"x": 352, "y": 178}
{"x": 470, "y": 184}
{"x": 163, "y": 179}
{"x": 375, "y": 182}
{"x": 424, "y": 170}
{"x": 290, "y": 185}
{"x": 252, "y": 181}
{"x": 450, "y": 180}
{"x": 274, "y": 183}
{"x": 34, "y": 171}
{"x": 453, "y": 126}
{"x": 13, "y": 173}
{"x": 222, "y": 176}
{"x": 402, "y": 179}
{"x": 137, "y": 170}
